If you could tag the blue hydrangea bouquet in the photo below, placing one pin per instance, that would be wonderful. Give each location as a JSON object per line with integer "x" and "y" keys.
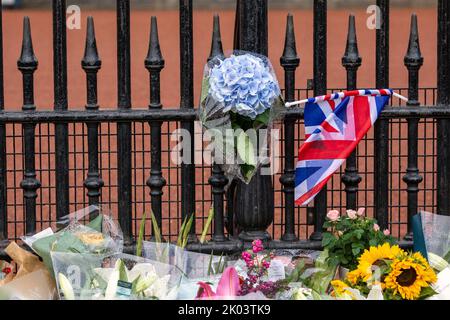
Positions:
{"x": 240, "y": 101}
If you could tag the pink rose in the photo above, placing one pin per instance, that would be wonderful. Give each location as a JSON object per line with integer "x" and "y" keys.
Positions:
{"x": 376, "y": 227}
{"x": 333, "y": 215}
{"x": 386, "y": 232}
{"x": 360, "y": 212}
{"x": 351, "y": 214}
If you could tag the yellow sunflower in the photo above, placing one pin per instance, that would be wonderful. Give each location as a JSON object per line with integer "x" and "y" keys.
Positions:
{"x": 409, "y": 275}
{"x": 340, "y": 288}
{"x": 354, "y": 276}
{"x": 375, "y": 256}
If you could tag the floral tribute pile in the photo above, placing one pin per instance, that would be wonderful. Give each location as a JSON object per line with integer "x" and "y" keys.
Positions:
{"x": 84, "y": 260}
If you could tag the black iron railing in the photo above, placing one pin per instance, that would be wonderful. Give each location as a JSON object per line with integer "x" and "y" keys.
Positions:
{"x": 54, "y": 162}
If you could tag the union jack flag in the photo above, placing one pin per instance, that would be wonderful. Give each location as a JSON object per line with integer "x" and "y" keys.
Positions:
{"x": 334, "y": 125}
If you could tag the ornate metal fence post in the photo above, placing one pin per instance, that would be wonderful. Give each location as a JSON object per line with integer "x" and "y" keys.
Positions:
{"x": 289, "y": 61}
{"x": 154, "y": 63}
{"x": 320, "y": 87}
{"x": 218, "y": 181}
{"x": 443, "y": 100}
{"x": 91, "y": 63}
{"x": 381, "y": 145}
{"x": 124, "y": 128}
{"x": 351, "y": 62}
{"x": 187, "y": 102}
{"x": 254, "y": 202}
{"x": 27, "y": 64}
{"x": 60, "y": 104}
{"x": 3, "y": 204}
{"x": 413, "y": 61}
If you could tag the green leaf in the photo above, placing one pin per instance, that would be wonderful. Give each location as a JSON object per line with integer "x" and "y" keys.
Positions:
{"x": 356, "y": 251}
{"x": 246, "y": 149}
{"x": 205, "y": 89}
{"x": 247, "y": 171}
{"x": 359, "y": 233}
{"x": 221, "y": 266}
{"x": 207, "y": 225}
{"x": 447, "y": 257}
{"x": 123, "y": 276}
{"x": 210, "y": 263}
{"x": 180, "y": 235}
{"x": 184, "y": 231}
{"x": 96, "y": 223}
{"x": 427, "y": 292}
{"x": 327, "y": 239}
{"x": 134, "y": 284}
{"x": 156, "y": 230}
{"x": 262, "y": 119}
{"x": 141, "y": 235}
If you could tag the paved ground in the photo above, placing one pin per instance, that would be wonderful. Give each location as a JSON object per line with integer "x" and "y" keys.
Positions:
{"x": 168, "y": 27}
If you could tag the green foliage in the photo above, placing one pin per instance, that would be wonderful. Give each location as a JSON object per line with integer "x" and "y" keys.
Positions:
{"x": 347, "y": 239}
{"x": 205, "y": 89}
{"x": 262, "y": 119}
{"x": 122, "y": 270}
{"x": 207, "y": 225}
{"x": 184, "y": 231}
{"x": 156, "y": 230}
{"x": 141, "y": 235}
{"x": 320, "y": 279}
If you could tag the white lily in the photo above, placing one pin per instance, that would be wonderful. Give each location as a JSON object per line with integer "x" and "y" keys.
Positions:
{"x": 148, "y": 281}
{"x": 66, "y": 287}
{"x": 141, "y": 269}
{"x": 376, "y": 293}
{"x": 145, "y": 282}
{"x": 159, "y": 288}
{"x": 111, "y": 289}
{"x": 302, "y": 294}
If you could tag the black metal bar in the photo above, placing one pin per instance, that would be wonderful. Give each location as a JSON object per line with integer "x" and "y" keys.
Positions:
{"x": 124, "y": 128}
{"x": 172, "y": 114}
{"x": 154, "y": 64}
{"x": 3, "y": 199}
{"x": 443, "y": 99}
{"x": 351, "y": 62}
{"x": 91, "y": 63}
{"x": 236, "y": 38}
{"x": 320, "y": 87}
{"x": 218, "y": 181}
{"x": 27, "y": 64}
{"x": 187, "y": 102}
{"x": 254, "y": 204}
{"x": 381, "y": 144}
{"x": 413, "y": 61}
{"x": 290, "y": 62}
{"x": 60, "y": 103}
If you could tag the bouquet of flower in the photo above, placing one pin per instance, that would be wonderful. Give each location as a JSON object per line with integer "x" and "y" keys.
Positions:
{"x": 431, "y": 238}
{"x": 240, "y": 96}
{"x": 401, "y": 275}
{"x": 90, "y": 230}
{"x": 349, "y": 235}
{"x": 257, "y": 277}
{"x": 113, "y": 277}
{"x": 25, "y": 278}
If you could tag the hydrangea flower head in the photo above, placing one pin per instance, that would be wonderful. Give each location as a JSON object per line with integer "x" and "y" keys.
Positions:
{"x": 244, "y": 84}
